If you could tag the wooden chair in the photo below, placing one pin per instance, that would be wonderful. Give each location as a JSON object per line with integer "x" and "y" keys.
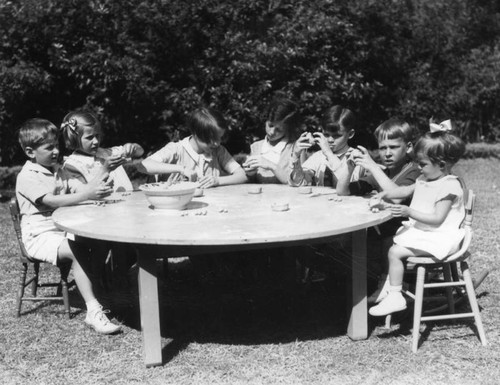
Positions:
{"x": 450, "y": 267}
{"x": 34, "y": 280}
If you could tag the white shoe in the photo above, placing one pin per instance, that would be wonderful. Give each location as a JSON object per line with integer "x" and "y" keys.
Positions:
{"x": 382, "y": 290}
{"x": 392, "y": 303}
{"x": 100, "y": 323}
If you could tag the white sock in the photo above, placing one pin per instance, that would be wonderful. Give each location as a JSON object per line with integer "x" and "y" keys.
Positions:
{"x": 397, "y": 288}
{"x": 92, "y": 305}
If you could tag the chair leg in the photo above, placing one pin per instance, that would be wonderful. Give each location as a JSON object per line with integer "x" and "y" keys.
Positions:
{"x": 417, "y": 312}
{"x": 449, "y": 290}
{"x": 34, "y": 283}
{"x": 20, "y": 292}
{"x": 65, "y": 269}
{"x": 473, "y": 301}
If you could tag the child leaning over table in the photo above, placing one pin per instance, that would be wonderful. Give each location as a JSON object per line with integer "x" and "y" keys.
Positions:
{"x": 199, "y": 157}
{"x": 434, "y": 215}
{"x": 41, "y": 187}
{"x": 82, "y": 133}
{"x": 397, "y": 168}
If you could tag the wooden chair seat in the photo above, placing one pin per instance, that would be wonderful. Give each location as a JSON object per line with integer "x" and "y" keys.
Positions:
{"x": 33, "y": 280}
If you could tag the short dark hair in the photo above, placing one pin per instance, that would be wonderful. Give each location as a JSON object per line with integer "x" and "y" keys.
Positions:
{"x": 337, "y": 117}
{"x": 204, "y": 123}
{"x": 287, "y": 113}
{"x": 35, "y": 132}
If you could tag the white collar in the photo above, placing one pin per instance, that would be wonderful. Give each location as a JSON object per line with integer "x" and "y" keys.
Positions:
{"x": 192, "y": 153}
{"x": 277, "y": 148}
{"x": 32, "y": 166}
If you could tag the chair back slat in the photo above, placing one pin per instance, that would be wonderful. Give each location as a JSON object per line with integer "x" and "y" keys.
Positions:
{"x": 15, "y": 214}
{"x": 470, "y": 201}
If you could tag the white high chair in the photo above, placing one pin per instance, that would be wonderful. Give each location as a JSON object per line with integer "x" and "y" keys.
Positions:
{"x": 450, "y": 268}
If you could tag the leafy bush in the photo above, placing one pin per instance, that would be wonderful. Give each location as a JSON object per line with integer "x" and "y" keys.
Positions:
{"x": 143, "y": 65}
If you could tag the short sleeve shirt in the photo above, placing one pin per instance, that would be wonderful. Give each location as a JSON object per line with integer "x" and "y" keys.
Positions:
{"x": 33, "y": 183}
{"x": 218, "y": 163}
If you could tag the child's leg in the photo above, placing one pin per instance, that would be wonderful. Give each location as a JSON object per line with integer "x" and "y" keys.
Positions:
{"x": 78, "y": 254}
{"x": 393, "y": 300}
{"x": 397, "y": 254}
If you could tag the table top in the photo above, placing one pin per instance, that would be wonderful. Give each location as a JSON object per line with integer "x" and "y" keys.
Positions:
{"x": 225, "y": 215}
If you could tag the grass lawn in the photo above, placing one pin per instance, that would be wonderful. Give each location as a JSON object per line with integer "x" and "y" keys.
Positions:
{"x": 254, "y": 332}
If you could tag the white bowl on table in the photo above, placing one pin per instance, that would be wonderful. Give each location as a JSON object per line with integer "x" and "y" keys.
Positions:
{"x": 166, "y": 196}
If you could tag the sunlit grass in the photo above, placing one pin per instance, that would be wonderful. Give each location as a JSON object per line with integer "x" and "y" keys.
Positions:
{"x": 257, "y": 332}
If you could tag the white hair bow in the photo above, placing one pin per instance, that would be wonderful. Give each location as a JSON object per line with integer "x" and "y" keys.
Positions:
{"x": 443, "y": 126}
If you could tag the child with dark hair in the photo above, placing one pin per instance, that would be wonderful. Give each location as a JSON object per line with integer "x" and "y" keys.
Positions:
{"x": 338, "y": 126}
{"x": 199, "y": 157}
{"x": 270, "y": 158}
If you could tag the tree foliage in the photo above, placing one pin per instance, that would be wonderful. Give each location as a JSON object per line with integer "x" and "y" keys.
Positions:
{"x": 142, "y": 65}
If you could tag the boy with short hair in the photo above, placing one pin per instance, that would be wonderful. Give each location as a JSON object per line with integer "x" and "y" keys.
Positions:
{"x": 41, "y": 187}
{"x": 395, "y": 142}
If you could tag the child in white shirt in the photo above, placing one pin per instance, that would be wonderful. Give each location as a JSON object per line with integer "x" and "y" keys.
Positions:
{"x": 41, "y": 187}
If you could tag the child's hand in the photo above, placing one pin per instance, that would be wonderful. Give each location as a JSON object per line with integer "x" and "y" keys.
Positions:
{"x": 254, "y": 162}
{"x": 99, "y": 188}
{"x": 209, "y": 181}
{"x": 113, "y": 162}
{"x": 305, "y": 141}
{"x": 190, "y": 174}
{"x": 399, "y": 210}
{"x": 362, "y": 158}
{"x": 132, "y": 150}
{"x": 321, "y": 140}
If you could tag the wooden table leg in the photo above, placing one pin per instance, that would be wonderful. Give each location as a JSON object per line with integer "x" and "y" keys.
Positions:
{"x": 358, "y": 322}
{"x": 150, "y": 308}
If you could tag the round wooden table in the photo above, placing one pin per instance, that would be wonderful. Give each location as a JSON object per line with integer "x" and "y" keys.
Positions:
{"x": 226, "y": 218}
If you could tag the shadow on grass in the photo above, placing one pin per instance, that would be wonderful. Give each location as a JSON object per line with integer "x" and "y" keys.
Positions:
{"x": 229, "y": 310}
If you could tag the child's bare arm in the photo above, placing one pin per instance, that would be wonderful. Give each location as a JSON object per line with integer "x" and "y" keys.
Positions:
{"x": 150, "y": 166}
{"x": 299, "y": 176}
{"x": 95, "y": 189}
{"x": 238, "y": 176}
{"x": 364, "y": 160}
{"x": 398, "y": 192}
{"x": 435, "y": 218}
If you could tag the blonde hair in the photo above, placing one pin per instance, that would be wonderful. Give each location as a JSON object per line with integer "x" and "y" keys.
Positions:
{"x": 35, "y": 132}
{"x": 395, "y": 128}
{"x": 73, "y": 124}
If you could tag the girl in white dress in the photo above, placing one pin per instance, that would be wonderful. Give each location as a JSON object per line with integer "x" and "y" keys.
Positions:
{"x": 82, "y": 134}
{"x": 435, "y": 213}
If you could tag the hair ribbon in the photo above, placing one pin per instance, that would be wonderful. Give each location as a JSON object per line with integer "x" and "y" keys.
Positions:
{"x": 444, "y": 126}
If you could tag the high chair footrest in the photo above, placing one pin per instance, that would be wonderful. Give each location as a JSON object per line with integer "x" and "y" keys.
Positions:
{"x": 447, "y": 316}
{"x": 443, "y": 284}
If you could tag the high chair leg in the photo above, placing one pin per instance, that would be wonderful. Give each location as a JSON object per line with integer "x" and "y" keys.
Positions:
{"x": 417, "y": 312}
{"x": 449, "y": 290}
{"x": 471, "y": 294}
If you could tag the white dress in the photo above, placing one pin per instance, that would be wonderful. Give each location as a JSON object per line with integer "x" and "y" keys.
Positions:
{"x": 83, "y": 168}
{"x": 437, "y": 240}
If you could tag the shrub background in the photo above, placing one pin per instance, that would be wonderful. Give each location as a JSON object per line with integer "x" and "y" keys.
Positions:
{"x": 141, "y": 65}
